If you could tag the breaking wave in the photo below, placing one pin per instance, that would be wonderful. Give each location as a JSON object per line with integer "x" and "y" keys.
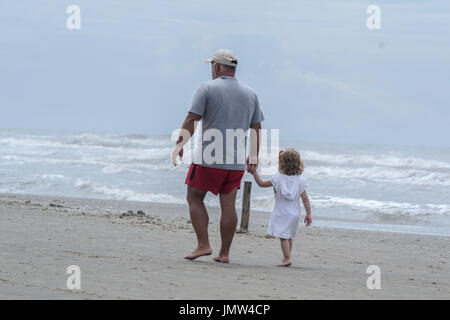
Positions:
{"x": 378, "y": 160}
{"x": 365, "y": 205}
{"x": 382, "y": 174}
{"x": 87, "y": 140}
{"x": 124, "y": 193}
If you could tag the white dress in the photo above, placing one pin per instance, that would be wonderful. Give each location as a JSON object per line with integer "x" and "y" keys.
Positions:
{"x": 285, "y": 216}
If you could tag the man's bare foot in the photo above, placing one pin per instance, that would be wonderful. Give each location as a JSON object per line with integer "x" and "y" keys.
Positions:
{"x": 198, "y": 253}
{"x": 285, "y": 263}
{"x": 221, "y": 259}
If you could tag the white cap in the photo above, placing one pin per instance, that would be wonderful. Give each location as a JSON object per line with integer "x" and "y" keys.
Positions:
{"x": 224, "y": 56}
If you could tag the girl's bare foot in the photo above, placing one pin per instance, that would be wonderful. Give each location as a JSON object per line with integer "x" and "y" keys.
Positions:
{"x": 222, "y": 259}
{"x": 285, "y": 263}
{"x": 198, "y": 253}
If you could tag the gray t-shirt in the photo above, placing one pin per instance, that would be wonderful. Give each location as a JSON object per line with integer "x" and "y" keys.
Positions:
{"x": 228, "y": 108}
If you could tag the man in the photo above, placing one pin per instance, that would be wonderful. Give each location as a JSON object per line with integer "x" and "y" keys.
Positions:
{"x": 224, "y": 105}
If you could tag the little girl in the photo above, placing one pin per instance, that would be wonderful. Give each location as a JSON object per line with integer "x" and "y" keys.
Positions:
{"x": 289, "y": 187}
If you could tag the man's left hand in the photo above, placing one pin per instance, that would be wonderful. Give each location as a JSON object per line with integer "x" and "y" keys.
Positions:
{"x": 252, "y": 165}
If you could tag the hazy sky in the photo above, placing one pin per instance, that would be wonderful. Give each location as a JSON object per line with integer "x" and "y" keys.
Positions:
{"x": 320, "y": 73}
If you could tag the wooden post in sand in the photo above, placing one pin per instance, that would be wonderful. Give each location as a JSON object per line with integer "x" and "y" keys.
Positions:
{"x": 245, "y": 207}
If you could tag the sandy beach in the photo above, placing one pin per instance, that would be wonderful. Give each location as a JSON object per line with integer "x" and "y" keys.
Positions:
{"x": 140, "y": 256}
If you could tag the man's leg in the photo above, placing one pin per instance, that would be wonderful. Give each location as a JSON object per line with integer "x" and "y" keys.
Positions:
{"x": 200, "y": 220}
{"x": 228, "y": 222}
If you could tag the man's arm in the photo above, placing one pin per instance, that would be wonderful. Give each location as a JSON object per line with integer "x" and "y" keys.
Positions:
{"x": 186, "y": 132}
{"x": 189, "y": 125}
{"x": 255, "y": 137}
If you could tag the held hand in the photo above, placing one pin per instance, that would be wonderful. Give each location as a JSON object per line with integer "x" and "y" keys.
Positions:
{"x": 308, "y": 220}
{"x": 252, "y": 165}
{"x": 252, "y": 168}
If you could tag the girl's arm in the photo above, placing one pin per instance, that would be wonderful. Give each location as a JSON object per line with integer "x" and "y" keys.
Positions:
{"x": 307, "y": 206}
{"x": 259, "y": 181}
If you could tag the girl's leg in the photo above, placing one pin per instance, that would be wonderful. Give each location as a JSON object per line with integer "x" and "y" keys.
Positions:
{"x": 286, "y": 249}
{"x": 290, "y": 244}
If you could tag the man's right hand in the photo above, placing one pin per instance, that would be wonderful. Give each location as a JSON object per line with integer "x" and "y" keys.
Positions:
{"x": 175, "y": 153}
{"x": 186, "y": 132}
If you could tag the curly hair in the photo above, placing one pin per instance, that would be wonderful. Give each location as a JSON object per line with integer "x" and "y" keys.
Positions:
{"x": 290, "y": 163}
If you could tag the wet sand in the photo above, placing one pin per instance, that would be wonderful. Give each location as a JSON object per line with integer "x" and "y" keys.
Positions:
{"x": 140, "y": 256}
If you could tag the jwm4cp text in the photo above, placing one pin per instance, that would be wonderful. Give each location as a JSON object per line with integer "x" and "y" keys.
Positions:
{"x": 226, "y": 310}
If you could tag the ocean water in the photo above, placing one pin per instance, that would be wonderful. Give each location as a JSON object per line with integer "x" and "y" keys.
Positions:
{"x": 401, "y": 189}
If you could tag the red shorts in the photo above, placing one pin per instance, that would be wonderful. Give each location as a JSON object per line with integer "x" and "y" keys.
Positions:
{"x": 213, "y": 179}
